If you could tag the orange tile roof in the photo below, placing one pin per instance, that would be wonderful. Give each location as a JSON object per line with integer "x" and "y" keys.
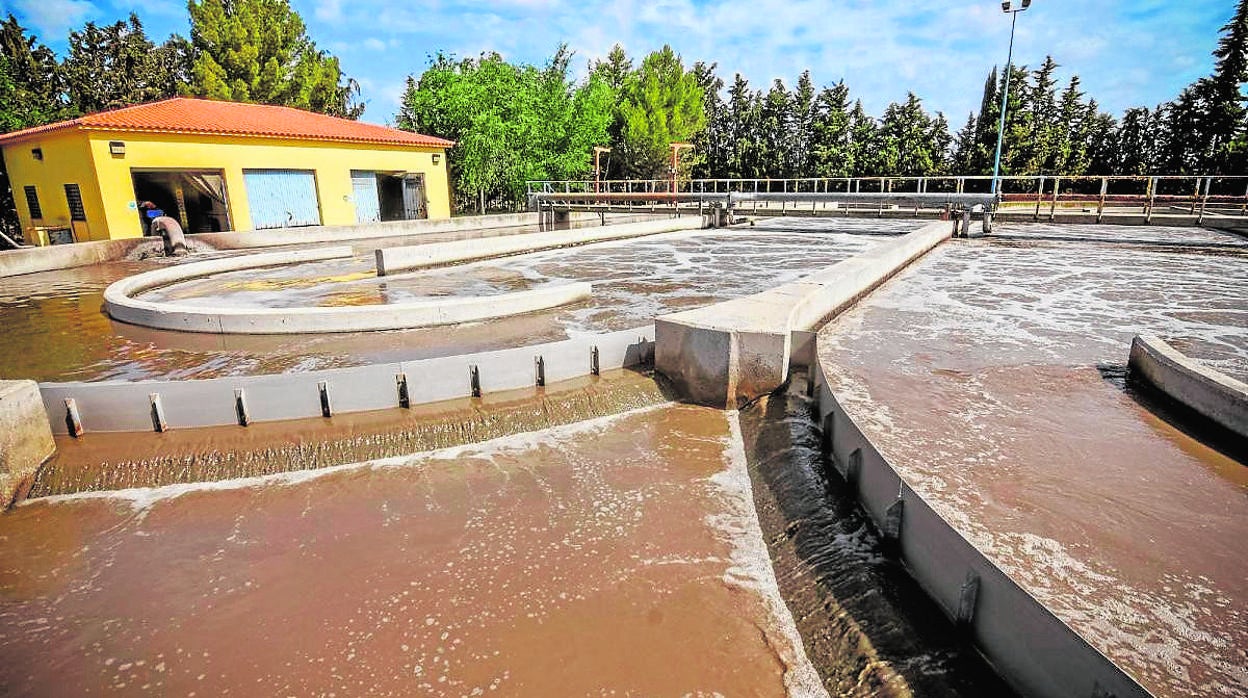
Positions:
{"x": 200, "y": 116}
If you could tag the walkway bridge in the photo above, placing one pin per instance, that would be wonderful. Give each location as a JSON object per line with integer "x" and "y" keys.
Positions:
{"x": 1173, "y": 200}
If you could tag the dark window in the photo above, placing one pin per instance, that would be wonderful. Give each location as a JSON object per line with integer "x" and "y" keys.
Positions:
{"x": 74, "y": 197}
{"x": 32, "y": 202}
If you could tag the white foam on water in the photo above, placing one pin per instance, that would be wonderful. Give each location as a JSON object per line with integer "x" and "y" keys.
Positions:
{"x": 751, "y": 565}
{"x": 143, "y": 498}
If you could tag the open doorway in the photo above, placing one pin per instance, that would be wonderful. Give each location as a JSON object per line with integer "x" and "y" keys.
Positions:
{"x": 196, "y": 198}
{"x": 388, "y": 196}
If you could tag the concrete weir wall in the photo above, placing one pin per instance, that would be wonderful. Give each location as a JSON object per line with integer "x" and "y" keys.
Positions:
{"x": 1032, "y": 649}
{"x": 1210, "y": 393}
{"x": 728, "y": 354}
{"x": 160, "y": 405}
{"x": 25, "y": 439}
{"x": 396, "y": 259}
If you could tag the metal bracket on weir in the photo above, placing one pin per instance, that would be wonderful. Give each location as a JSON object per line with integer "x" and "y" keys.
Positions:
{"x": 967, "y": 598}
{"x": 892, "y": 519}
{"x": 327, "y": 409}
{"x": 73, "y": 420}
{"x": 400, "y": 381}
{"x": 240, "y": 407}
{"x": 159, "y": 423}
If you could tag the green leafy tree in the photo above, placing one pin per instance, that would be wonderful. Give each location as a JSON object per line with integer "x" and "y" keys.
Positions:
{"x": 661, "y": 104}
{"x": 258, "y": 51}
{"x": 511, "y": 123}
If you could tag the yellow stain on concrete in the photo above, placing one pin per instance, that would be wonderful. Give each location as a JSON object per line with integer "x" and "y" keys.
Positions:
{"x": 83, "y": 157}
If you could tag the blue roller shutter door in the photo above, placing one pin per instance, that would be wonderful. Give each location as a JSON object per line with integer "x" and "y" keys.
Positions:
{"x": 367, "y": 201}
{"x": 282, "y": 198}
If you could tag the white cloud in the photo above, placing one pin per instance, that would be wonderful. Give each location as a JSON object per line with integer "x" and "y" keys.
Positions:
{"x": 53, "y": 19}
{"x": 374, "y": 44}
{"x": 882, "y": 49}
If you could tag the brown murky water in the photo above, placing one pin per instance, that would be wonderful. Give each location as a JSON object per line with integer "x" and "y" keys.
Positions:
{"x": 54, "y": 330}
{"x": 617, "y": 556}
{"x": 992, "y": 374}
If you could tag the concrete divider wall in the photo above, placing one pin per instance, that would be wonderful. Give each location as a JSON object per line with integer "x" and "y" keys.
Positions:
{"x": 25, "y": 439}
{"x": 128, "y": 406}
{"x": 727, "y": 354}
{"x": 31, "y": 260}
{"x": 396, "y": 259}
{"x": 1204, "y": 390}
{"x": 1037, "y": 653}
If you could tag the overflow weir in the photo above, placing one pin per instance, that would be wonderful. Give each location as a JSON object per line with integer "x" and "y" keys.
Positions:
{"x": 523, "y": 504}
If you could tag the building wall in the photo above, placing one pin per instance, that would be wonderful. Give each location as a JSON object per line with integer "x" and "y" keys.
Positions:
{"x": 84, "y": 158}
{"x": 332, "y": 163}
{"x": 67, "y": 159}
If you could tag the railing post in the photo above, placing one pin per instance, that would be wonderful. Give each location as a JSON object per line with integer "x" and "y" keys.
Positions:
{"x": 1039, "y": 199}
{"x": 1100, "y": 209}
{"x": 1148, "y": 206}
{"x": 1195, "y": 197}
{"x": 1057, "y": 191}
{"x": 1204, "y": 200}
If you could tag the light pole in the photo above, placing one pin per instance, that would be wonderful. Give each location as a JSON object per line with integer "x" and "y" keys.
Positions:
{"x": 1012, "y": 8}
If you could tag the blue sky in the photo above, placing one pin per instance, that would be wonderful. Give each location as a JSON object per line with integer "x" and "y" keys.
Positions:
{"x": 1128, "y": 52}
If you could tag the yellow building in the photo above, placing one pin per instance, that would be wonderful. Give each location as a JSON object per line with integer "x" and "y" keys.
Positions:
{"x": 218, "y": 166}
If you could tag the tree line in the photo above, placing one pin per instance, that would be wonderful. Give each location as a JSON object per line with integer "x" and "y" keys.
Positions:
{"x": 514, "y": 122}
{"x": 742, "y": 132}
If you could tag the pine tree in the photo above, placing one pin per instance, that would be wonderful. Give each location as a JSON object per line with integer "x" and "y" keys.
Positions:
{"x": 1226, "y": 118}
{"x": 744, "y": 114}
{"x": 966, "y": 156}
{"x": 712, "y": 143}
{"x": 1136, "y": 143}
{"x": 774, "y": 130}
{"x": 831, "y": 155}
{"x": 38, "y": 89}
{"x": 615, "y": 71}
{"x": 258, "y": 51}
{"x": 801, "y": 126}
{"x": 864, "y": 143}
{"x": 661, "y": 105}
{"x": 117, "y": 65}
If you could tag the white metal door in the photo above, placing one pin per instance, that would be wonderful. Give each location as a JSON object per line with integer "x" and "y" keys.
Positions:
{"x": 282, "y": 198}
{"x": 367, "y": 201}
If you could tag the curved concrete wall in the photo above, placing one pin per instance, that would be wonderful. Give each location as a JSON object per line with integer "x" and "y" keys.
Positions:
{"x": 1032, "y": 649}
{"x": 133, "y": 405}
{"x": 727, "y": 354}
{"x": 120, "y": 304}
{"x": 1210, "y": 393}
{"x": 396, "y": 259}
